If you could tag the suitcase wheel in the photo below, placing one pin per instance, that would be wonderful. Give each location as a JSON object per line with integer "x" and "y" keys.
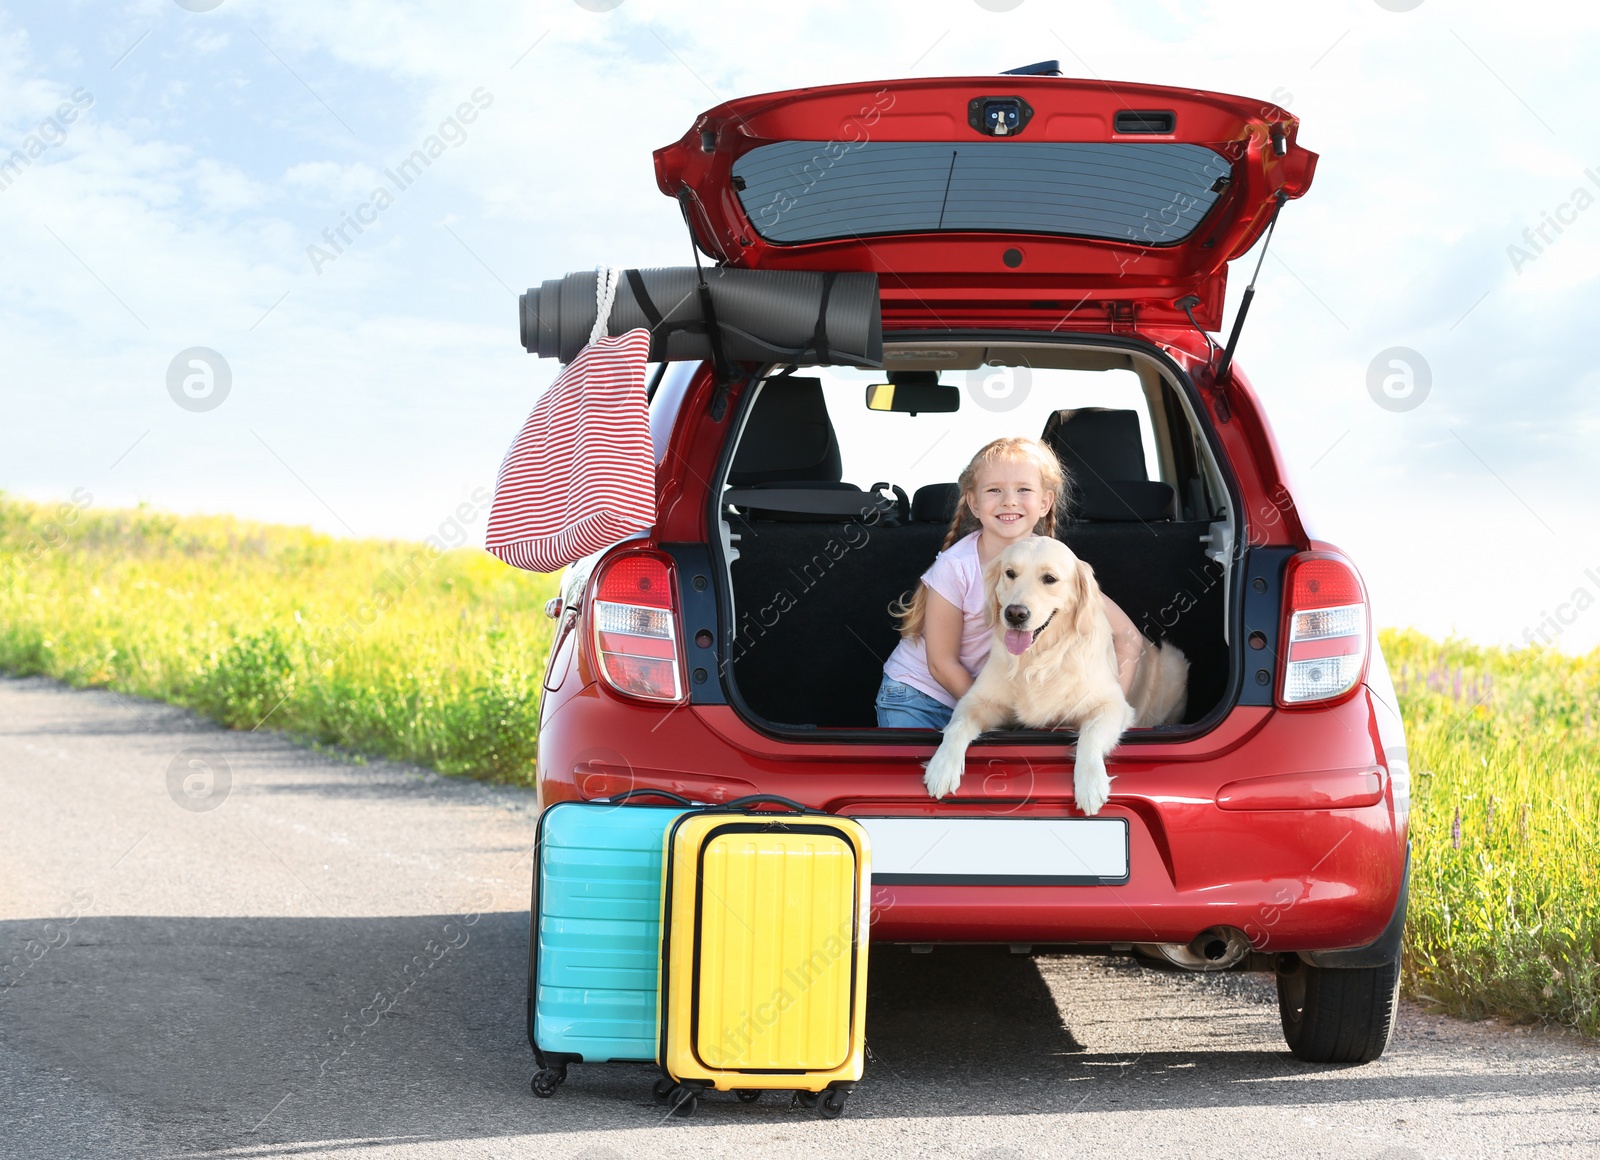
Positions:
{"x": 661, "y": 1091}
{"x": 684, "y": 1101}
{"x": 749, "y": 1095}
{"x": 832, "y": 1105}
{"x": 807, "y": 1099}
{"x": 546, "y": 1080}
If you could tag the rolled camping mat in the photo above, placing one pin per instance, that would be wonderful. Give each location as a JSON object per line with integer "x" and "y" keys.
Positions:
{"x": 764, "y": 315}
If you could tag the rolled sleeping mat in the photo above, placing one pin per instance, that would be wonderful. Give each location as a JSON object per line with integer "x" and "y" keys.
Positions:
{"x": 763, "y": 315}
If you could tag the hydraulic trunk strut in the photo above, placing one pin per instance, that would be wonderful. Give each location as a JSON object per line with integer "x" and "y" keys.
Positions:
{"x": 1221, "y": 375}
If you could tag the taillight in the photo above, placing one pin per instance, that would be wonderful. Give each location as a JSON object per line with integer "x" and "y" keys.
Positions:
{"x": 1325, "y": 630}
{"x": 635, "y": 631}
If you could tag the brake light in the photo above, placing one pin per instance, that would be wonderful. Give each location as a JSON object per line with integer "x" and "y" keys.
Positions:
{"x": 635, "y": 630}
{"x": 1325, "y": 630}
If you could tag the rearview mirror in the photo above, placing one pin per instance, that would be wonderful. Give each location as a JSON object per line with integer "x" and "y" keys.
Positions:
{"x": 911, "y": 392}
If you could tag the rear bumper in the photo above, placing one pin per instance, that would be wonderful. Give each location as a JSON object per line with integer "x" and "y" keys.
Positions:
{"x": 1292, "y": 879}
{"x": 1287, "y": 913}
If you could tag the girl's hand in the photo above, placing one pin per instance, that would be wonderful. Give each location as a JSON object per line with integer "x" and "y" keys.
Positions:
{"x": 941, "y": 637}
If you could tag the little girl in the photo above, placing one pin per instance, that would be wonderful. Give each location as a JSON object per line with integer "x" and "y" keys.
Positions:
{"x": 1012, "y": 489}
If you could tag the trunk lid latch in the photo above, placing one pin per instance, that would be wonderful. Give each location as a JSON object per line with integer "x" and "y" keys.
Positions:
{"x": 999, "y": 116}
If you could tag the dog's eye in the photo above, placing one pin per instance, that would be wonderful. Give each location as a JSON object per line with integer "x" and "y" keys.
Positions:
{"x": 1011, "y": 574}
{"x": 1049, "y": 579}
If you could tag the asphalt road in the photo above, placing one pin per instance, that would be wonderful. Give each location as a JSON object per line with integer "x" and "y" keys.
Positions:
{"x": 198, "y": 981}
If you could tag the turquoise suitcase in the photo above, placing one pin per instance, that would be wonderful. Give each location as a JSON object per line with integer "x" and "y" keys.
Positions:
{"x": 594, "y": 938}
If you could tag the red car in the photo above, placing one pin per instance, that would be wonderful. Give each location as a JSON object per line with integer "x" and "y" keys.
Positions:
{"x": 1050, "y": 255}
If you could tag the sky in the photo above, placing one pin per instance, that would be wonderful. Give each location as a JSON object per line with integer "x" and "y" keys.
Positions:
{"x": 191, "y": 154}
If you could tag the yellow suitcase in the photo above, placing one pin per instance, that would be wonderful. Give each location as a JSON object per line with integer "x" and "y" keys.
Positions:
{"x": 763, "y": 954}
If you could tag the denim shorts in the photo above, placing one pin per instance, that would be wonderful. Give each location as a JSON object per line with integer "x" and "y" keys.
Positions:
{"x": 902, "y": 707}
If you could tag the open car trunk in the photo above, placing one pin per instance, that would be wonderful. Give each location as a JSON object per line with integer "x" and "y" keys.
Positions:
{"x": 811, "y": 594}
{"x": 1037, "y": 205}
{"x": 820, "y": 661}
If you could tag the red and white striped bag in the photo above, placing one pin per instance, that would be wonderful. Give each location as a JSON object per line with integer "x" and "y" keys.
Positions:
{"x": 581, "y": 475}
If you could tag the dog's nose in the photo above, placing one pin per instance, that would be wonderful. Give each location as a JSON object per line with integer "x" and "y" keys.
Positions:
{"x": 1016, "y": 615}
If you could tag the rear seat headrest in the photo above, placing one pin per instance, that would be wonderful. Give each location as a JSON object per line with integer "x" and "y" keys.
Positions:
{"x": 1100, "y": 449}
{"x": 1103, "y": 441}
{"x": 788, "y": 437}
{"x": 935, "y": 503}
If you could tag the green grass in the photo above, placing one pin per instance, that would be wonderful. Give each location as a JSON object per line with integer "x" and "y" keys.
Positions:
{"x": 1505, "y": 829}
{"x": 386, "y": 647}
{"x": 395, "y": 649}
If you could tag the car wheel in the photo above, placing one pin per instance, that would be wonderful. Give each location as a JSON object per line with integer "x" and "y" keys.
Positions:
{"x": 1337, "y": 1014}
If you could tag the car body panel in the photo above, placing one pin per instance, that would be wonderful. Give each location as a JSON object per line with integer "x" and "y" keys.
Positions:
{"x": 1305, "y": 879}
{"x": 976, "y": 277}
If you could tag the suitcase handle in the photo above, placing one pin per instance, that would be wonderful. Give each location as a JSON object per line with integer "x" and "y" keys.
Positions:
{"x": 643, "y": 792}
{"x": 744, "y": 804}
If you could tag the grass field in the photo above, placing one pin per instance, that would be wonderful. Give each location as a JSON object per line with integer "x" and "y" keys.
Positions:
{"x": 436, "y": 657}
{"x": 1505, "y": 829}
{"x": 390, "y": 648}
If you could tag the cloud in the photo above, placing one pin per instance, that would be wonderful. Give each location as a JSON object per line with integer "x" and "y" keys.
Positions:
{"x": 179, "y": 210}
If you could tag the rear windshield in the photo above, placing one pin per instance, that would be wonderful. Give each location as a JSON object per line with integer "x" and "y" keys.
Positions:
{"x": 1146, "y": 192}
{"x": 912, "y": 451}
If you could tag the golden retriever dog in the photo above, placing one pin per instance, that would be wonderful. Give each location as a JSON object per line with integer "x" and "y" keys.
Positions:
{"x": 1053, "y": 663}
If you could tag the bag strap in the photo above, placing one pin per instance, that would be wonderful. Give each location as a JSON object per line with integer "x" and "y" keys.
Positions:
{"x": 641, "y": 296}
{"x": 819, "y": 337}
{"x": 605, "y": 293}
{"x": 660, "y": 328}
{"x": 708, "y": 313}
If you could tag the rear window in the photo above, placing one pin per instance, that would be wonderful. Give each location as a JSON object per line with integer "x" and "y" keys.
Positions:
{"x": 916, "y": 450}
{"x": 1147, "y": 192}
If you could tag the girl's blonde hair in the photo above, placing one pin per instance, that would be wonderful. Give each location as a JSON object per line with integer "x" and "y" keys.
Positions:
{"x": 1012, "y": 449}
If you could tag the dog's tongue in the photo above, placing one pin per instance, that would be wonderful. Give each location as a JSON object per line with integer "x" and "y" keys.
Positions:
{"x": 1018, "y": 640}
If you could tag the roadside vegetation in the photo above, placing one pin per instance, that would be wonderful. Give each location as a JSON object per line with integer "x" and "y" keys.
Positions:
{"x": 436, "y": 657}
{"x": 389, "y": 648}
{"x": 1505, "y": 829}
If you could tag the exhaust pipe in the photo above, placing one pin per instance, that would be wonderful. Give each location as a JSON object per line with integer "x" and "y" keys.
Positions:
{"x": 1214, "y": 949}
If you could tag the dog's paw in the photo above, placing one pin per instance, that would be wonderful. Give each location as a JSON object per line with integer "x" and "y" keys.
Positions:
{"x": 944, "y": 774}
{"x": 1091, "y": 788}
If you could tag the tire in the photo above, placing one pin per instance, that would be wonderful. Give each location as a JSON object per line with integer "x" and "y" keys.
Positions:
{"x": 1337, "y": 1014}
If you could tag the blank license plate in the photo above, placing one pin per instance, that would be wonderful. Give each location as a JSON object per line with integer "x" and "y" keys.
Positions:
{"x": 998, "y": 851}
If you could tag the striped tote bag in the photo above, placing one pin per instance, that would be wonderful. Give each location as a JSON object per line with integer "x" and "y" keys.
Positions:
{"x": 581, "y": 474}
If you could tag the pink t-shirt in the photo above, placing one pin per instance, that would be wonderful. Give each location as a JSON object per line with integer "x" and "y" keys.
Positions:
{"x": 958, "y": 577}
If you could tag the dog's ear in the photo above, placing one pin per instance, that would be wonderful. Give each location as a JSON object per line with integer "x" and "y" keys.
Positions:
{"x": 991, "y": 592}
{"x": 1087, "y": 593}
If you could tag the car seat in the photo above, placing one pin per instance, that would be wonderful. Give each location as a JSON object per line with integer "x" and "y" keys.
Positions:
{"x": 1101, "y": 452}
{"x": 787, "y": 465}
